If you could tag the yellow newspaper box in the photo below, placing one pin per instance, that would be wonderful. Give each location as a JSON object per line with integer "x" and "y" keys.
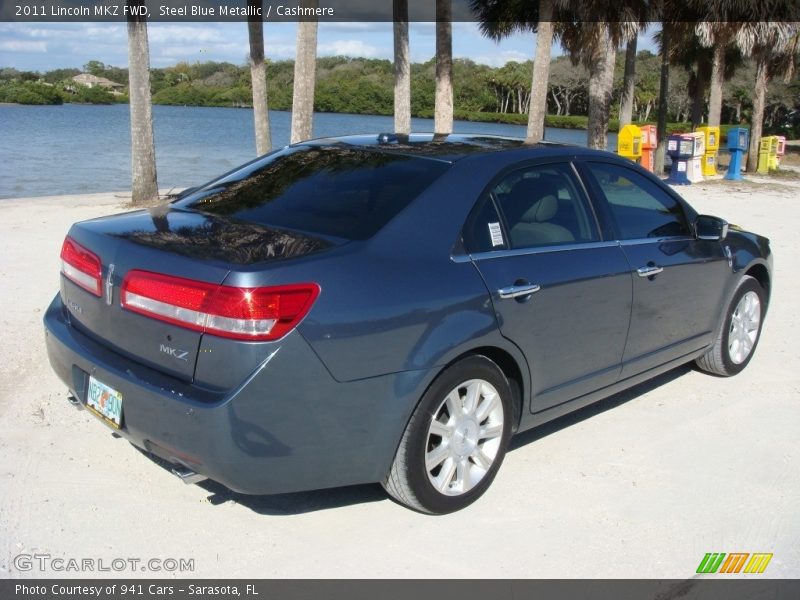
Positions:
{"x": 629, "y": 142}
{"x": 711, "y": 135}
{"x": 767, "y": 154}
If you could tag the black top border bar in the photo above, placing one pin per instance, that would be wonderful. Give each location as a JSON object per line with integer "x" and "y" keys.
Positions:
{"x": 521, "y": 13}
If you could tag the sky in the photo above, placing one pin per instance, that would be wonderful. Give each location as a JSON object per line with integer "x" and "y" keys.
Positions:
{"x": 45, "y": 46}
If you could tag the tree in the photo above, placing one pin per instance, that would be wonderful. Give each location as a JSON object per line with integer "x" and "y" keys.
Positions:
{"x": 258, "y": 78}
{"x": 501, "y": 19}
{"x": 402, "y": 69}
{"x": 717, "y": 29}
{"x": 628, "y": 85}
{"x": 304, "y": 77}
{"x": 95, "y": 67}
{"x": 774, "y": 47}
{"x": 594, "y": 44}
{"x": 443, "y": 109}
{"x": 663, "y": 97}
{"x": 143, "y": 151}
{"x": 541, "y": 74}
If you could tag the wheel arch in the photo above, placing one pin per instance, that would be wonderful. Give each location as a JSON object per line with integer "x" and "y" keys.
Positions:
{"x": 512, "y": 370}
{"x": 760, "y": 273}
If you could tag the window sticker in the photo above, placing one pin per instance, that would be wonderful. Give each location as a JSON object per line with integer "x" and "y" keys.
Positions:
{"x": 496, "y": 234}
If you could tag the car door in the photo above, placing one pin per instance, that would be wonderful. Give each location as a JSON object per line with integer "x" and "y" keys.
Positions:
{"x": 678, "y": 280}
{"x": 561, "y": 293}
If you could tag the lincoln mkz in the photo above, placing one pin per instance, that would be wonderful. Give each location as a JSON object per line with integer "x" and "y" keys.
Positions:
{"x": 393, "y": 309}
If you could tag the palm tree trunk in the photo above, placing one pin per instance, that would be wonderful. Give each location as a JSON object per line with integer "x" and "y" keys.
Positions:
{"x": 402, "y": 69}
{"x": 258, "y": 77}
{"x": 601, "y": 82}
{"x": 143, "y": 150}
{"x": 699, "y": 91}
{"x": 305, "y": 66}
{"x": 443, "y": 110}
{"x": 759, "y": 100}
{"x": 628, "y": 84}
{"x": 541, "y": 74}
{"x": 663, "y": 101}
{"x": 715, "y": 90}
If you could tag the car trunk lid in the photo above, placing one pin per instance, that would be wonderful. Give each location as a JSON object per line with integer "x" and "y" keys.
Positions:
{"x": 173, "y": 242}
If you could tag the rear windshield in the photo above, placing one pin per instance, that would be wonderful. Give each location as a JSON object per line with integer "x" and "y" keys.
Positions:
{"x": 342, "y": 192}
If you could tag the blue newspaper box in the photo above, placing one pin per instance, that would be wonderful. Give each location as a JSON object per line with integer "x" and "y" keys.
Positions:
{"x": 681, "y": 149}
{"x": 738, "y": 141}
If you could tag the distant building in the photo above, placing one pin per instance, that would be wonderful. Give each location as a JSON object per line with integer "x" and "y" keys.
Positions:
{"x": 91, "y": 81}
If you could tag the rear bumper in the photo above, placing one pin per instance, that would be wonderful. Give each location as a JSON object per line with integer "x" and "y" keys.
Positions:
{"x": 287, "y": 427}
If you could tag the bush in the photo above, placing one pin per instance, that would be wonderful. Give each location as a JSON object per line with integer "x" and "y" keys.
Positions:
{"x": 29, "y": 92}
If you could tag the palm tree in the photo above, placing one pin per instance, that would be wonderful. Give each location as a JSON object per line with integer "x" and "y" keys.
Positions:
{"x": 443, "y": 108}
{"x": 304, "y": 77}
{"x": 663, "y": 96}
{"x": 687, "y": 50}
{"x": 594, "y": 44}
{"x": 501, "y": 19}
{"x": 402, "y": 69}
{"x": 258, "y": 77}
{"x": 143, "y": 151}
{"x": 719, "y": 36}
{"x": 628, "y": 84}
{"x": 717, "y": 29}
{"x": 775, "y": 47}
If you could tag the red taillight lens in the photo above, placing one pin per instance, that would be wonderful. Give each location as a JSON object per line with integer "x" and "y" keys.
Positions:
{"x": 265, "y": 313}
{"x": 81, "y": 266}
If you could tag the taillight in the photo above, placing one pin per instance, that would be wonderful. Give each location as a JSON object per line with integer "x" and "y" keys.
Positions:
{"x": 264, "y": 313}
{"x": 81, "y": 266}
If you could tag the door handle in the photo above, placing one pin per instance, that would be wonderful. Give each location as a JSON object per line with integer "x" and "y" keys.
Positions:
{"x": 517, "y": 291}
{"x": 649, "y": 271}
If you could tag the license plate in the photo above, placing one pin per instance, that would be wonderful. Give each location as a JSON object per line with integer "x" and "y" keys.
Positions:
{"x": 105, "y": 402}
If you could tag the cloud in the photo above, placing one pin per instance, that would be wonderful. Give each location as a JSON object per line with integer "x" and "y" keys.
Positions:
{"x": 23, "y": 46}
{"x": 158, "y": 33}
{"x": 349, "y": 48}
{"x": 501, "y": 58}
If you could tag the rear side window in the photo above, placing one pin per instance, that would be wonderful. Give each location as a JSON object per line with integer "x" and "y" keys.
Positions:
{"x": 483, "y": 232}
{"x": 341, "y": 192}
{"x": 542, "y": 207}
{"x": 640, "y": 208}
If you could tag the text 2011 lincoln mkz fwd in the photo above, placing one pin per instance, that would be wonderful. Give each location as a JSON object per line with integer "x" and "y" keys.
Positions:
{"x": 392, "y": 309}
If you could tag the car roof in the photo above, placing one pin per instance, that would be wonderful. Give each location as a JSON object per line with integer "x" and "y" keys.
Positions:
{"x": 445, "y": 147}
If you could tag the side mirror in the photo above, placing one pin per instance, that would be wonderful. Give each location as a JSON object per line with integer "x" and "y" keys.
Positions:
{"x": 710, "y": 228}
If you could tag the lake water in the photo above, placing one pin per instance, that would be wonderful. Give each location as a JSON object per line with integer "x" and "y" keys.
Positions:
{"x": 74, "y": 149}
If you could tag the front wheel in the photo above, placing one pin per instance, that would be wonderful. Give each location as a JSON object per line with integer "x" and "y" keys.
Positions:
{"x": 455, "y": 441}
{"x": 738, "y": 337}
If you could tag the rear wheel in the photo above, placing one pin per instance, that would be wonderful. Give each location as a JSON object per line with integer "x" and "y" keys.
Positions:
{"x": 740, "y": 332}
{"x": 455, "y": 441}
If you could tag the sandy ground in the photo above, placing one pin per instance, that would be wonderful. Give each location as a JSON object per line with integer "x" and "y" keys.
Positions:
{"x": 640, "y": 485}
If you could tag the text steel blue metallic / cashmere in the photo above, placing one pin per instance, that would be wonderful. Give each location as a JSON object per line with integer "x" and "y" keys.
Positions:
{"x": 392, "y": 309}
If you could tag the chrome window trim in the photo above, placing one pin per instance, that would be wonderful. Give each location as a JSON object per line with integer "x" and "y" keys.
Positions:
{"x": 478, "y": 256}
{"x": 659, "y": 240}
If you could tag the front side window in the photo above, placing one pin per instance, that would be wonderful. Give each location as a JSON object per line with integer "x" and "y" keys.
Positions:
{"x": 640, "y": 208}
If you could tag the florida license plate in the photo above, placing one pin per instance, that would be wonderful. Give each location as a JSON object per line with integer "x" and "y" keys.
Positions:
{"x": 105, "y": 402}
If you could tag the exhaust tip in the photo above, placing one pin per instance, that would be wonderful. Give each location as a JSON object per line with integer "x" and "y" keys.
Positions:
{"x": 186, "y": 475}
{"x": 73, "y": 400}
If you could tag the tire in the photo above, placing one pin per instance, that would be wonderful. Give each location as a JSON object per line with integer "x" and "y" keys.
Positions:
{"x": 461, "y": 428}
{"x": 741, "y": 329}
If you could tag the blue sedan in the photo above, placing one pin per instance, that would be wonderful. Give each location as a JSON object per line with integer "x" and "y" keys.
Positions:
{"x": 393, "y": 309}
